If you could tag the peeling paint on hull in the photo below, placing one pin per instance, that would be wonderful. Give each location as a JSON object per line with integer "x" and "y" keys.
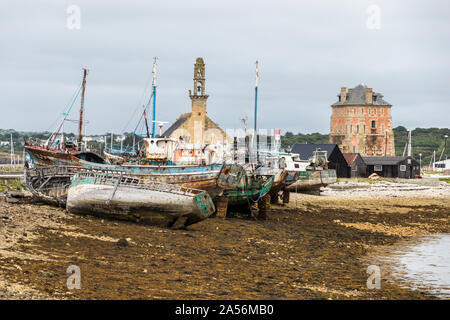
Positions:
{"x": 313, "y": 180}
{"x": 134, "y": 203}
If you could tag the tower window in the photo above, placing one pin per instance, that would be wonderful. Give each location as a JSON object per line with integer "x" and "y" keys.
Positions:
{"x": 373, "y": 124}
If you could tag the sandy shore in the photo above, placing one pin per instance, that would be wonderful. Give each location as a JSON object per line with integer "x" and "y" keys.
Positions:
{"x": 317, "y": 247}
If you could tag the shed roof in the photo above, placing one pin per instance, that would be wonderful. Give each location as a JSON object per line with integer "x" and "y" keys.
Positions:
{"x": 387, "y": 161}
{"x": 351, "y": 157}
{"x": 305, "y": 150}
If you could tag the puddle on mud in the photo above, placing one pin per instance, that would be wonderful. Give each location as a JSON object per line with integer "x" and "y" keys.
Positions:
{"x": 424, "y": 265}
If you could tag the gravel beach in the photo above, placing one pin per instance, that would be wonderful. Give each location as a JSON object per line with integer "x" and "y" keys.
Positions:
{"x": 316, "y": 247}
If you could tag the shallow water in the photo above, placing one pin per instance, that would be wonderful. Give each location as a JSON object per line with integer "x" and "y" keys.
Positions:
{"x": 426, "y": 265}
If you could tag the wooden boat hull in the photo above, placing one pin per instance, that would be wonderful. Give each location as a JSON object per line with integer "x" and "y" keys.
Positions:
{"x": 313, "y": 180}
{"x": 51, "y": 184}
{"x": 46, "y": 157}
{"x": 248, "y": 193}
{"x": 158, "y": 203}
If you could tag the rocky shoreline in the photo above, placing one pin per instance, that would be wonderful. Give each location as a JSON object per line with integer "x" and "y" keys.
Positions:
{"x": 316, "y": 247}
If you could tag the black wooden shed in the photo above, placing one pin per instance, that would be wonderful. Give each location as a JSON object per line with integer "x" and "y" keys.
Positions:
{"x": 335, "y": 157}
{"x": 392, "y": 167}
{"x": 356, "y": 165}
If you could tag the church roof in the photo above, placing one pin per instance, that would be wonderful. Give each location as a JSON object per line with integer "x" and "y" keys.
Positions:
{"x": 358, "y": 96}
{"x": 181, "y": 119}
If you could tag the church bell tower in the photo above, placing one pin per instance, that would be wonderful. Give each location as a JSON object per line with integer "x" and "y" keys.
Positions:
{"x": 198, "y": 96}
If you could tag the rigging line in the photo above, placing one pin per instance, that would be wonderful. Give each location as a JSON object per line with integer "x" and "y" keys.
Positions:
{"x": 66, "y": 114}
{"x": 143, "y": 112}
{"x": 62, "y": 113}
{"x": 140, "y": 101}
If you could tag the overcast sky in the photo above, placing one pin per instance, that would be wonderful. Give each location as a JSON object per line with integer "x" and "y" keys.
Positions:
{"x": 307, "y": 50}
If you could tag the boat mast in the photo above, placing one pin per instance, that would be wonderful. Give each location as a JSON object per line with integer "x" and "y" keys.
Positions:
{"x": 154, "y": 96}
{"x": 80, "y": 125}
{"x": 146, "y": 123}
{"x": 12, "y": 150}
{"x": 256, "y": 110}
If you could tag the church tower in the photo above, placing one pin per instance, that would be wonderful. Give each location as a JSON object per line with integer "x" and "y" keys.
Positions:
{"x": 195, "y": 126}
{"x": 198, "y": 98}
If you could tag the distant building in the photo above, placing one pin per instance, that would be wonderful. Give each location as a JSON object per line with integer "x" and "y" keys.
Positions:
{"x": 4, "y": 143}
{"x": 335, "y": 159}
{"x": 196, "y": 126}
{"x": 356, "y": 164}
{"x": 392, "y": 167}
{"x": 361, "y": 122}
{"x": 443, "y": 165}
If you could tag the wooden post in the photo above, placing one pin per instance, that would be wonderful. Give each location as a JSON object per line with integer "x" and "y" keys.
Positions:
{"x": 222, "y": 207}
{"x": 263, "y": 206}
{"x": 286, "y": 195}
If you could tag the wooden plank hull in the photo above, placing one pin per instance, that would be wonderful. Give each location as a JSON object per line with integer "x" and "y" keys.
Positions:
{"x": 50, "y": 184}
{"x": 250, "y": 192}
{"x": 158, "y": 204}
{"x": 313, "y": 180}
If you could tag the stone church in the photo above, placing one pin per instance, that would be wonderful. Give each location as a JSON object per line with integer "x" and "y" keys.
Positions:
{"x": 361, "y": 122}
{"x": 196, "y": 127}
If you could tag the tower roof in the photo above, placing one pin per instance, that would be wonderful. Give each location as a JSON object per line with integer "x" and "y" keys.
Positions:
{"x": 357, "y": 96}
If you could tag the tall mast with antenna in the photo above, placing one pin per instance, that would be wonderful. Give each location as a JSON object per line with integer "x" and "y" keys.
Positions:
{"x": 443, "y": 150}
{"x": 256, "y": 109}
{"x": 409, "y": 143}
{"x": 12, "y": 150}
{"x": 80, "y": 125}
{"x": 154, "y": 96}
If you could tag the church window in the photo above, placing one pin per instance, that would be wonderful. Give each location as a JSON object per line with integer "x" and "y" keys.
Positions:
{"x": 373, "y": 124}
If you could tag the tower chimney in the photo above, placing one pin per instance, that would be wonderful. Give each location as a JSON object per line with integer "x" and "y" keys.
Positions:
{"x": 369, "y": 95}
{"x": 343, "y": 94}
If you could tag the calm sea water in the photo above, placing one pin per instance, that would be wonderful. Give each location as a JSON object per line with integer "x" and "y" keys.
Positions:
{"x": 426, "y": 266}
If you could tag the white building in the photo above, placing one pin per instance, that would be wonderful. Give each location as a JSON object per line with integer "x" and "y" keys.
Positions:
{"x": 441, "y": 165}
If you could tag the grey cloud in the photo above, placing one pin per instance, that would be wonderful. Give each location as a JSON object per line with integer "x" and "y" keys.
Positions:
{"x": 307, "y": 49}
